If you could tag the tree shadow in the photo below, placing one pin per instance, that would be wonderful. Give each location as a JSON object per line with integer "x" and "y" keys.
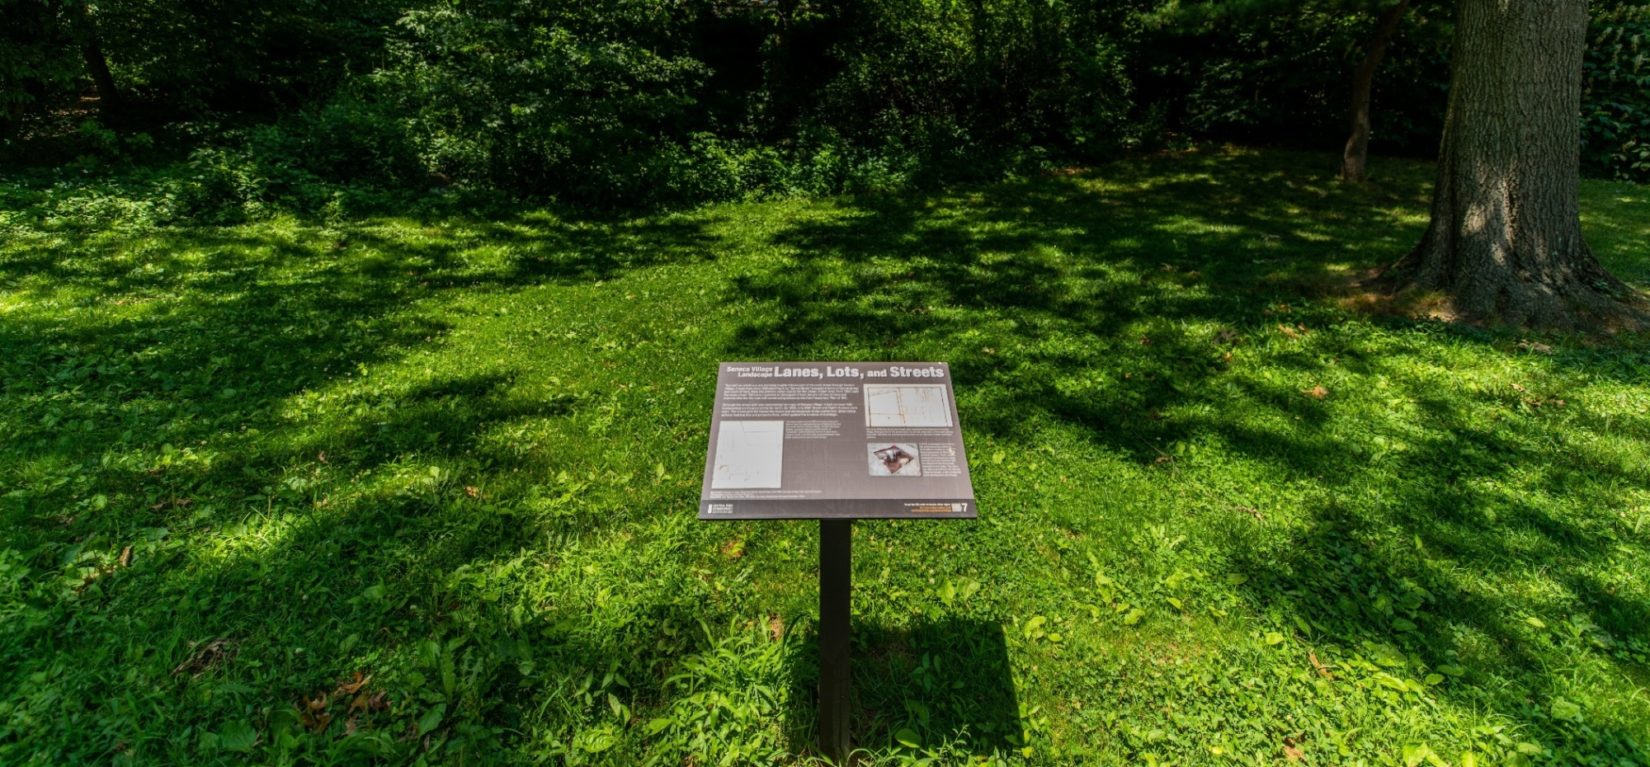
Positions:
{"x": 1109, "y": 308}
{"x": 936, "y": 684}
{"x": 1120, "y": 267}
{"x": 1101, "y": 306}
{"x": 203, "y": 380}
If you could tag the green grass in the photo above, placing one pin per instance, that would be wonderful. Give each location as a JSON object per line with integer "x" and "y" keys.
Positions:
{"x": 461, "y": 456}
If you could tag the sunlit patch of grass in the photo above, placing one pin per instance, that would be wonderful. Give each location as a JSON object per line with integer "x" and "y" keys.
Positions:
{"x": 1223, "y": 510}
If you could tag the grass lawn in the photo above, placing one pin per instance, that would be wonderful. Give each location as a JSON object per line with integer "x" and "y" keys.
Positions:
{"x": 422, "y": 489}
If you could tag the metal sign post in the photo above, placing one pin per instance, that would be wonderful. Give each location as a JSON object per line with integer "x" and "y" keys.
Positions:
{"x": 836, "y": 677}
{"x": 835, "y": 441}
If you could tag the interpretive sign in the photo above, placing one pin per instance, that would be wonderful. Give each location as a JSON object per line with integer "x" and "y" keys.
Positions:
{"x": 835, "y": 440}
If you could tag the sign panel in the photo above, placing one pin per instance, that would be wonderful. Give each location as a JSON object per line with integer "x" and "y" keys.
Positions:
{"x": 835, "y": 440}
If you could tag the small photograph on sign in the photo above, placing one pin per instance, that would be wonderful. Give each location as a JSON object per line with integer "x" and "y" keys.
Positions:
{"x": 894, "y": 460}
{"x": 891, "y": 406}
{"x": 749, "y": 454}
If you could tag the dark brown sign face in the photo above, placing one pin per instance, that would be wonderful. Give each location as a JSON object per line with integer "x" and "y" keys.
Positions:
{"x": 835, "y": 440}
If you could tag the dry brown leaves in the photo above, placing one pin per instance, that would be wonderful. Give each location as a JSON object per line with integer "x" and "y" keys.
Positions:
{"x": 313, "y": 714}
{"x": 124, "y": 559}
{"x": 315, "y": 711}
{"x": 355, "y": 684}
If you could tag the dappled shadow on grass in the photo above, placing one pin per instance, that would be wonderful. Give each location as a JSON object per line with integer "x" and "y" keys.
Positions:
{"x": 1433, "y": 554}
{"x": 942, "y": 685}
{"x": 949, "y": 682}
{"x": 187, "y": 382}
{"x": 1034, "y": 283}
{"x": 535, "y": 248}
{"x": 248, "y": 404}
{"x": 192, "y": 335}
{"x": 1121, "y": 308}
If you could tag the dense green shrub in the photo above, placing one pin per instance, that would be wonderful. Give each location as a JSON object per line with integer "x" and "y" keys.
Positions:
{"x": 346, "y": 141}
{"x": 1616, "y": 100}
{"x": 347, "y": 155}
{"x": 590, "y": 101}
{"x": 642, "y": 101}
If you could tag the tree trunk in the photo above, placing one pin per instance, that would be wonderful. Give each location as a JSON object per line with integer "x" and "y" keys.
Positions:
{"x": 1355, "y": 158}
{"x": 97, "y": 65}
{"x": 1505, "y": 242}
{"x": 108, "y": 97}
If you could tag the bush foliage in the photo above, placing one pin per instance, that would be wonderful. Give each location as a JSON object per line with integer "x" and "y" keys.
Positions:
{"x": 1616, "y": 109}
{"x": 615, "y": 103}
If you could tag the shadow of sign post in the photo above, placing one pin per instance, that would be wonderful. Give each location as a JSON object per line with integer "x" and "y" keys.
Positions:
{"x": 944, "y": 681}
{"x": 835, "y": 442}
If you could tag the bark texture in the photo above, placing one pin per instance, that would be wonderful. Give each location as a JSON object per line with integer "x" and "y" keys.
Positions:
{"x": 1505, "y": 242}
{"x": 1355, "y": 158}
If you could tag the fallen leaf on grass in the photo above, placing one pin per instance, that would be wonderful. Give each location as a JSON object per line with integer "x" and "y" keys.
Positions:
{"x": 734, "y": 548}
{"x": 126, "y": 557}
{"x": 776, "y": 627}
{"x": 354, "y": 685}
{"x": 1316, "y": 392}
{"x": 1291, "y": 751}
{"x": 1322, "y": 670}
{"x": 378, "y": 702}
{"x": 313, "y": 714}
{"x": 1293, "y": 333}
